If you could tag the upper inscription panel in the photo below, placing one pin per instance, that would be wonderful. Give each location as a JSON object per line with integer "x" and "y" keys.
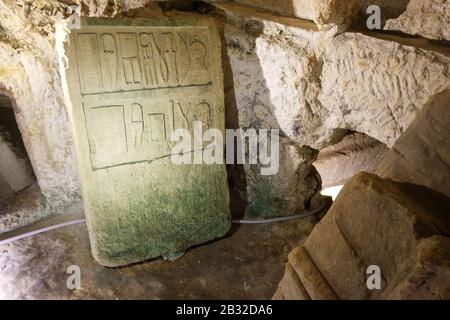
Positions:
{"x": 142, "y": 59}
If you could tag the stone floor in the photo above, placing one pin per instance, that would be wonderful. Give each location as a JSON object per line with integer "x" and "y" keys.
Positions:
{"x": 247, "y": 264}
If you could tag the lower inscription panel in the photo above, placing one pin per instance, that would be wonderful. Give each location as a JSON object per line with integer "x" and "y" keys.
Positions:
{"x": 140, "y": 129}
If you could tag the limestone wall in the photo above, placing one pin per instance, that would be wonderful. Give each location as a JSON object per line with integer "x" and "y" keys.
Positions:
{"x": 429, "y": 19}
{"x": 426, "y": 18}
{"x": 29, "y": 76}
{"x": 314, "y": 85}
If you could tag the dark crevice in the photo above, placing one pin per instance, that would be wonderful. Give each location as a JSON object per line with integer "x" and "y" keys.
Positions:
{"x": 11, "y": 137}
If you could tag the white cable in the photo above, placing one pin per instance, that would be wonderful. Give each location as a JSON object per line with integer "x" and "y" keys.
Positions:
{"x": 70, "y": 223}
{"x": 38, "y": 231}
{"x": 280, "y": 219}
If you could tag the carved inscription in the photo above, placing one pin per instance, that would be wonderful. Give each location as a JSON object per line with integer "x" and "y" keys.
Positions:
{"x": 139, "y": 60}
{"x": 133, "y": 84}
{"x": 140, "y": 130}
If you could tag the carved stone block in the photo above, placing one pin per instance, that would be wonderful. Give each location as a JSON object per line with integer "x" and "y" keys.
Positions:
{"x": 129, "y": 85}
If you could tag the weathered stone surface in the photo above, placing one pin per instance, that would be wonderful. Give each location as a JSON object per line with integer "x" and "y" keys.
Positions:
{"x": 355, "y": 153}
{"x": 130, "y": 84}
{"x": 393, "y": 216}
{"x": 291, "y": 287}
{"x": 297, "y": 181}
{"x": 317, "y": 83}
{"x": 314, "y": 87}
{"x": 325, "y": 13}
{"x": 336, "y": 259}
{"x": 426, "y": 275}
{"x": 314, "y": 283}
{"x": 290, "y": 59}
{"x": 426, "y": 18}
{"x": 27, "y": 207}
{"x": 292, "y": 8}
{"x": 33, "y": 86}
{"x": 329, "y": 14}
{"x": 389, "y": 10}
{"x": 422, "y": 154}
{"x": 336, "y": 13}
{"x": 384, "y": 223}
{"x": 29, "y": 75}
{"x": 377, "y": 85}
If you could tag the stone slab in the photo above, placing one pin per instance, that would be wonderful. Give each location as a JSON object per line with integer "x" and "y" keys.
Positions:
{"x": 374, "y": 222}
{"x": 422, "y": 154}
{"x": 336, "y": 260}
{"x": 429, "y": 19}
{"x": 129, "y": 85}
{"x": 400, "y": 227}
{"x": 325, "y": 13}
{"x": 426, "y": 275}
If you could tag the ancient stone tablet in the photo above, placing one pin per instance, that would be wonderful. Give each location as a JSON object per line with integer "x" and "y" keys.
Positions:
{"x": 129, "y": 85}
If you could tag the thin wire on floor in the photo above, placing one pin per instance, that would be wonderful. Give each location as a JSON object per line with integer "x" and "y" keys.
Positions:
{"x": 80, "y": 221}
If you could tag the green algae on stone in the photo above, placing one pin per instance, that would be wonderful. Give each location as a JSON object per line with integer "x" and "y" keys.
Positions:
{"x": 129, "y": 85}
{"x": 264, "y": 202}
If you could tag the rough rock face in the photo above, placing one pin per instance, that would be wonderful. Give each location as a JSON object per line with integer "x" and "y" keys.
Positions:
{"x": 291, "y": 287}
{"x": 422, "y": 154}
{"x": 355, "y": 153}
{"x": 302, "y": 277}
{"x": 335, "y": 13}
{"x": 317, "y": 84}
{"x": 292, "y": 8}
{"x": 376, "y": 86}
{"x": 401, "y": 228}
{"x": 288, "y": 73}
{"x": 33, "y": 85}
{"x": 430, "y": 261}
{"x": 329, "y": 14}
{"x": 297, "y": 180}
{"x": 389, "y": 9}
{"x": 26, "y": 207}
{"x": 325, "y": 13}
{"x": 29, "y": 76}
{"x": 314, "y": 87}
{"x": 426, "y": 18}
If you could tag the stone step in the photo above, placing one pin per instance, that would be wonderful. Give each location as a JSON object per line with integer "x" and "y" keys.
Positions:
{"x": 314, "y": 283}
{"x": 377, "y": 222}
